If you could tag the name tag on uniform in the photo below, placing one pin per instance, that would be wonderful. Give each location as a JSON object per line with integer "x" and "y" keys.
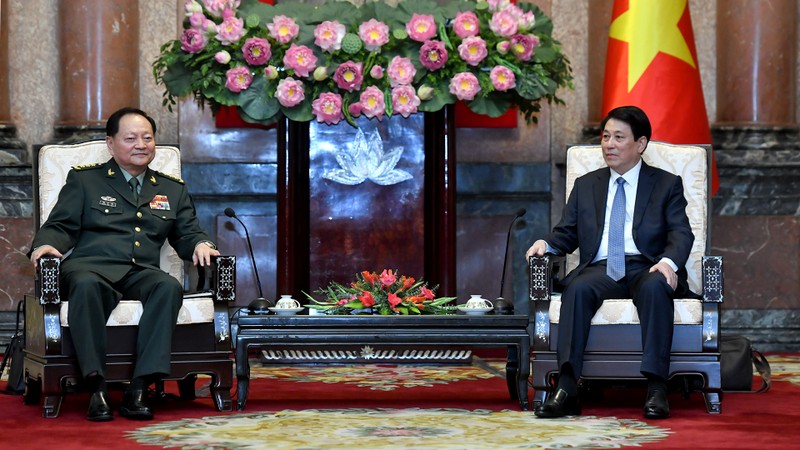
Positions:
{"x": 108, "y": 201}
{"x": 160, "y": 202}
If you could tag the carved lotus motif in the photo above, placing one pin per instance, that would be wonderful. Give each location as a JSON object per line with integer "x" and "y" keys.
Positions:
{"x": 366, "y": 159}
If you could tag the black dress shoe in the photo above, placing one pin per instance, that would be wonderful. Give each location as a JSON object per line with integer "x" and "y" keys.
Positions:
{"x": 134, "y": 407}
{"x": 99, "y": 407}
{"x": 656, "y": 406}
{"x": 559, "y": 404}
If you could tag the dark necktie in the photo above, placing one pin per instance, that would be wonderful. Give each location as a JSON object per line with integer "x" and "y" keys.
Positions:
{"x": 134, "y": 182}
{"x": 615, "y": 267}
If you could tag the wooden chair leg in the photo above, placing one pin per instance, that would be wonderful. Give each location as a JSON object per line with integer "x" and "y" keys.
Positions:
{"x": 51, "y": 406}
{"x": 186, "y": 387}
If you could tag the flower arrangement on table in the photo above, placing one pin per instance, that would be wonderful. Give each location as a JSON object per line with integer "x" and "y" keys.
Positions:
{"x": 335, "y": 62}
{"x": 384, "y": 294}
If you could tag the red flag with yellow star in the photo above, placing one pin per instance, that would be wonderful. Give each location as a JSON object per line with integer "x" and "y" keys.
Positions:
{"x": 652, "y": 63}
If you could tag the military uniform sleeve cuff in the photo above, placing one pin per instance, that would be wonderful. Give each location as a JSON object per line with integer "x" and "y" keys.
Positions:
{"x": 208, "y": 243}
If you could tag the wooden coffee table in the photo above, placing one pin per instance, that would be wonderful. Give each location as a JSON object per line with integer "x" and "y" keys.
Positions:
{"x": 263, "y": 331}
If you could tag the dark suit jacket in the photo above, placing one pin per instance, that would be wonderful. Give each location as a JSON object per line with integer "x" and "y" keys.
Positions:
{"x": 660, "y": 225}
{"x": 95, "y": 215}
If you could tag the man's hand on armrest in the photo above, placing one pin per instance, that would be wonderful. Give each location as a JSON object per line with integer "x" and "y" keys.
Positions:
{"x": 539, "y": 248}
{"x": 203, "y": 252}
{"x": 44, "y": 250}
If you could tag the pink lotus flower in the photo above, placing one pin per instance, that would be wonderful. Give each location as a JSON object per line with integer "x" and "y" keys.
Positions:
{"x": 192, "y": 41}
{"x": 374, "y": 33}
{"x": 349, "y": 76}
{"x": 283, "y": 29}
{"x": 495, "y": 5}
{"x": 503, "y": 23}
{"x": 300, "y": 59}
{"x": 401, "y": 71}
{"x": 503, "y": 78}
{"x": 230, "y": 31}
{"x": 523, "y": 45}
{"x": 466, "y": 24}
{"x": 238, "y": 79}
{"x": 464, "y": 86}
{"x": 503, "y": 47}
{"x": 405, "y": 100}
{"x": 328, "y": 108}
{"x": 421, "y": 27}
{"x": 473, "y": 50}
{"x": 354, "y": 109}
{"x": 222, "y": 57}
{"x": 257, "y": 51}
{"x": 376, "y": 72}
{"x": 191, "y": 7}
{"x": 525, "y": 20}
{"x": 271, "y": 72}
{"x": 200, "y": 22}
{"x": 290, "y": 92}
{"x": 217, "y": 7}
{"x": 328, "y": 35}
{"x": 373, "y": 104}
{"x": 433, "y": 55}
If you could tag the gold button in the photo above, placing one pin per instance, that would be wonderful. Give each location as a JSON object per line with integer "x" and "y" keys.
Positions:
{"x": 139, "y": 214}
{"x": 137, "y": 244}
{"x": 138, "y": 230}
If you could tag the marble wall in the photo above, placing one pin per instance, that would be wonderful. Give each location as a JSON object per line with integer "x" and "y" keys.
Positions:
{"x": 747, "y": 238}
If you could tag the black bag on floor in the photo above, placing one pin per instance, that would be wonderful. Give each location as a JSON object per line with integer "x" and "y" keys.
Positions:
{"x": 736, "y": 365}
{"x": 13, "y": 353}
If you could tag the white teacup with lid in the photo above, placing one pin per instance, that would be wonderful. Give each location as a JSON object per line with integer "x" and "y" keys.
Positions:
{"x": 287, "y": 302}
{"x": 477, "y": 302}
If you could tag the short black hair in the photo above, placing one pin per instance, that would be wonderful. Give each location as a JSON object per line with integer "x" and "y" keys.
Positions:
{"x": 633, "y": 116}
{"x": 112, "y": 125}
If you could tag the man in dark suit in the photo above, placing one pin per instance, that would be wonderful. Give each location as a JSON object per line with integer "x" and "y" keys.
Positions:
{"x": 634, "y": 249}
{"x": 115, "y": 217}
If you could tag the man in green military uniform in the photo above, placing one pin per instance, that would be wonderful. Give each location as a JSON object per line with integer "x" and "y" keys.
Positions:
{"x": 115, "y": 218}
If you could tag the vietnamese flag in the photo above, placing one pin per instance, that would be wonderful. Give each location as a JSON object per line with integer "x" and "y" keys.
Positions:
{"x": 652, "y": 63}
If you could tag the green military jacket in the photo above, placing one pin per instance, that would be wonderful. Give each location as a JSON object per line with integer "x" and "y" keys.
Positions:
{"x": 108, "y": 232}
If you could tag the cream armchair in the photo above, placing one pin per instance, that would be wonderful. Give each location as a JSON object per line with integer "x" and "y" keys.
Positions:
{"x": 614, "y": 348}
{"x": 201, "y": 343}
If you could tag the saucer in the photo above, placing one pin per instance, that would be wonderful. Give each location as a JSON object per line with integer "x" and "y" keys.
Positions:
{"x": 285, "y": 311}
{"x": 474, "y": 311}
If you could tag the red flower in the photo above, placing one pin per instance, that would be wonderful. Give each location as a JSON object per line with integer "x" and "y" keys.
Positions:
{"x": 416, "y": 299}
{"x": 366, "y": 299}
{"x": 427, "y": 293}
{"x": 370, "y": 277}
{"x": 388, "y": 277}
{"x": 394, "y": 300}
{"x": 407, "y": 282}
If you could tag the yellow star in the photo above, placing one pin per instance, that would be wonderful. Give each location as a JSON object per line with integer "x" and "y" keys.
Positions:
{"x": 649, "y": 27}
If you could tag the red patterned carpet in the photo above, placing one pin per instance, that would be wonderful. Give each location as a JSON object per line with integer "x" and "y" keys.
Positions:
{"x": 399, "y": 407}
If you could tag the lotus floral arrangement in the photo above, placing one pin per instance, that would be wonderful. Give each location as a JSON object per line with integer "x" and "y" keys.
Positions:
{"x": 334, "y": 61}
{"x": 384, "y": 294}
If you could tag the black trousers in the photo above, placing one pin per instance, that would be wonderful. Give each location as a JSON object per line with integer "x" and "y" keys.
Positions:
{"x": 651, "y": 294}
{"x": 92, "y": 298}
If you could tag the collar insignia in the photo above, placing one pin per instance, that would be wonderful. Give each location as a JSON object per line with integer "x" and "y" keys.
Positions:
{"x": 111, "y": 173}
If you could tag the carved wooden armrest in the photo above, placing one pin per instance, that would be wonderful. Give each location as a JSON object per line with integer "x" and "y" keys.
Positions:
{"x": 541, "y": 279}
{"x": 47, "y": 282}
{"x": 223, "y": 287}
{"x": 713, "y": 281}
